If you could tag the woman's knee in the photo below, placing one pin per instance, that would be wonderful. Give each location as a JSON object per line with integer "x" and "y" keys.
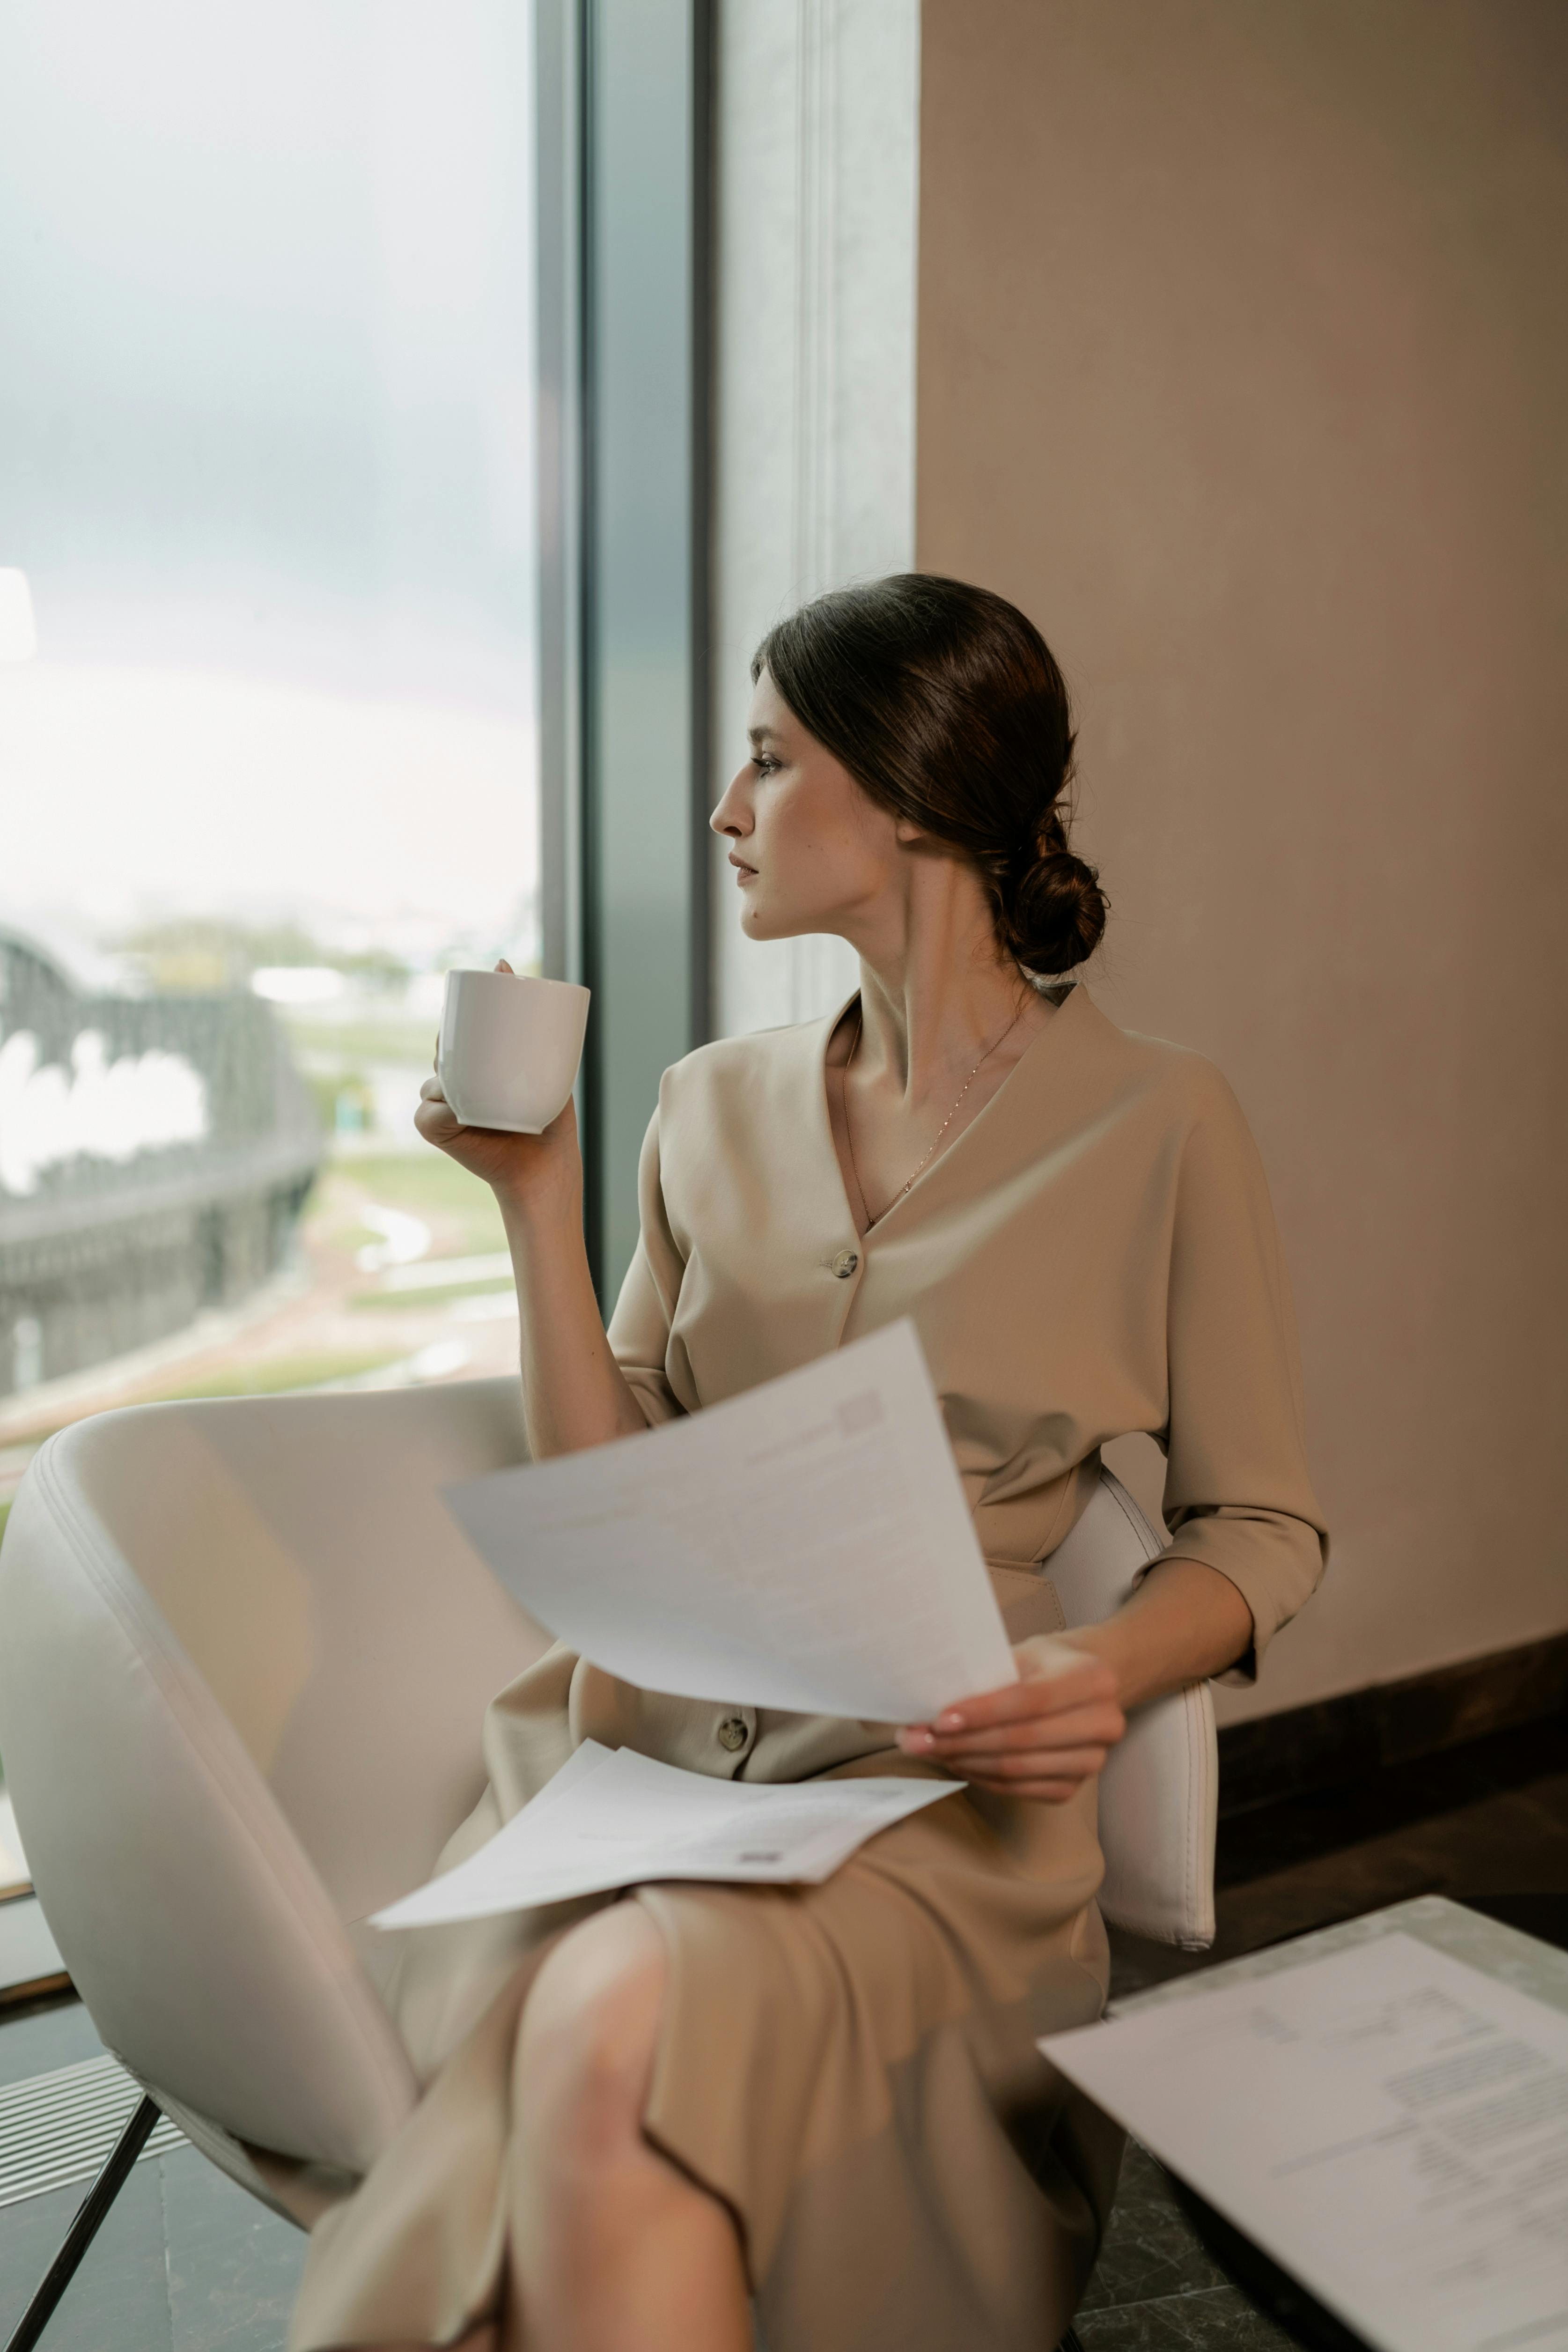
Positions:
{"x": 589, "y": 2031}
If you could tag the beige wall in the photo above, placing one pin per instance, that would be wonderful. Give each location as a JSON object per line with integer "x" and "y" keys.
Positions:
{"x": 1243, "y": 367}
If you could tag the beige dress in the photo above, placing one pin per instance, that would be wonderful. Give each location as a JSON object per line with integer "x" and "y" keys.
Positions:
{"x": 852, "y": 2067}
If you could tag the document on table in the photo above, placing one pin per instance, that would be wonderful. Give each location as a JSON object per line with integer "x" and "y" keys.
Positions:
{"x": 807, "y": 1545}
{"x": 1388, "y": 2124}
{"x": 612, "y": 1818}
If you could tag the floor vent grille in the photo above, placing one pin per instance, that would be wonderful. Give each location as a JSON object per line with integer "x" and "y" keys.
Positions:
{"x": 59, "y": 2127}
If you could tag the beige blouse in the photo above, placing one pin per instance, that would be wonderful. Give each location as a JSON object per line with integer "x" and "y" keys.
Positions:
{"x": 1094, "y": 1254}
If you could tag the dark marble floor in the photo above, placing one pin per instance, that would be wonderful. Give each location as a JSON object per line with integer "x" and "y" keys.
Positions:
{"x": 1157, "y": 2287}
{"x": 188, "y": 2262}
{"x": 185, "y": 2263}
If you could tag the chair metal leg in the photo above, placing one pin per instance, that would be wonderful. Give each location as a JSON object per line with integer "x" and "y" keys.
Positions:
{"x": 91, "y": 2216}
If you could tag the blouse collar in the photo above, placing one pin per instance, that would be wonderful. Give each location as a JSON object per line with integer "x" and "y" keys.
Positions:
{"x": 1076, "y": 1009}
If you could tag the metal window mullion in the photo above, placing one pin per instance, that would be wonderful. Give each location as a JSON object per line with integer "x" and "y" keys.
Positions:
{"x": 560, "y": 35}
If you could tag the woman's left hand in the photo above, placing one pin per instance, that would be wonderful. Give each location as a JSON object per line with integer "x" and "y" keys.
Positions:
{"x": 1041, "y": 1737}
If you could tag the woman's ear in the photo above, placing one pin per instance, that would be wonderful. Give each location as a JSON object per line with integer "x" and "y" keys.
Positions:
{"x": 906, "y": 831}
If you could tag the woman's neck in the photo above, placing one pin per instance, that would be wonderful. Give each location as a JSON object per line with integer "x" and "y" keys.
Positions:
{"x": 938, "y": 998}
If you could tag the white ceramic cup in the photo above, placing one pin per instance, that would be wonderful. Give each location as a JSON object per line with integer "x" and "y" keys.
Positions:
{"x": 509, "y": 1048}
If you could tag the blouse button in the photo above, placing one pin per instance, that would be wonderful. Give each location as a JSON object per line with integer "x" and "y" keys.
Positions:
{"x": 845, "y": 1263}
{"x": 733, "y": 1733}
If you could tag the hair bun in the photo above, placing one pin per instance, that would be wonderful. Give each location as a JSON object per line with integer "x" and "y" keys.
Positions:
{"x": 946, "y": 704}
{"x": 1053, "y": 911}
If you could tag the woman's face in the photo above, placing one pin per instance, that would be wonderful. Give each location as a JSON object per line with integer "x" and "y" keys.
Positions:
{"x": 812, "y": 850}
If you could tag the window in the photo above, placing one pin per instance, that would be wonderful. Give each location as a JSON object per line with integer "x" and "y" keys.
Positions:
{"x": 266, "y": 488}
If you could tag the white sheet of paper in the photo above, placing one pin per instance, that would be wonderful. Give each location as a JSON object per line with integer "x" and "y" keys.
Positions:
{"x": 612, "y": 1818}
{"x": 1388, "y": 2124}
{"x": 807, "y": 1545}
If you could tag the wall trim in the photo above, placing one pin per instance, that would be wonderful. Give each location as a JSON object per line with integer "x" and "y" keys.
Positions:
{"x": 1334, "y": 1740}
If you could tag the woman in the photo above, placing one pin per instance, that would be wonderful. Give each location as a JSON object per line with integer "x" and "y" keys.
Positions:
{"x": 642, "y": 2112}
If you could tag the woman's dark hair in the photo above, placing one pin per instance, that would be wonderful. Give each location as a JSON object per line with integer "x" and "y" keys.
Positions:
{"x": 945, "y": 706}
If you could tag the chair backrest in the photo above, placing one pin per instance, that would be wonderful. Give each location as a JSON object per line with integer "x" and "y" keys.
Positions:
{"x": 1160, "y": 1790}
{"x": 245, "y": 1657}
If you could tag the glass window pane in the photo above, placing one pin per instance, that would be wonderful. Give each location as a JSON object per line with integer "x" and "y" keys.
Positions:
{"x": 265, "y": 470}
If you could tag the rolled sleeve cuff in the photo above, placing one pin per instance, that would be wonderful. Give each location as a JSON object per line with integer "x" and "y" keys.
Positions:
{"x": 1275, "y": 1561}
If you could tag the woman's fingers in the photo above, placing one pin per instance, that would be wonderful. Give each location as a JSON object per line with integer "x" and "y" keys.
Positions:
{"x": 434, "y": 1117}
{"x": 1044, "y": 1710}
{"x": 1006, "y": 1771}
{"x": 1040, "y": 1738}
{"x": 1042, "y": 1792}
{"x": 1061, "y": 1678}
{"x": 1101, "y": 1725}
{"x": 433, "y": 1114}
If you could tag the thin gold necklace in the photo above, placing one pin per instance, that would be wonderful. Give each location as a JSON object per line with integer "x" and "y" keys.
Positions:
{"x": 849, "y": 1131}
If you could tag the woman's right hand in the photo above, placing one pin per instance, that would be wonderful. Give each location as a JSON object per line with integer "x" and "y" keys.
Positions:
{"x": 525, "y": 1171}
{"x": 574, "y": 1392}
{"x": 528, "y": 1172}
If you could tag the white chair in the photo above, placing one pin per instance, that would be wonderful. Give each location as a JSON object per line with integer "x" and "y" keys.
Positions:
{"x": 1159, "y": 1793}
{"x": 244, "y": 1656}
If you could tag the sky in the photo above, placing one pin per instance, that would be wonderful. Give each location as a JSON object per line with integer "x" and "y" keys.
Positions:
{"x": 266, "y": 457}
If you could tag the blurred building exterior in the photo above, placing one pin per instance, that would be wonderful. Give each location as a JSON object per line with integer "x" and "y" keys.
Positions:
{"x": 155, "y": 1154}
{"x": 266, "y": 686}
